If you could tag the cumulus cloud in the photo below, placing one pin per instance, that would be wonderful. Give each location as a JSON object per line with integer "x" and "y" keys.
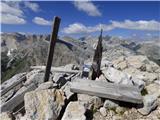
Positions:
{"x": 12, "y": 12}
{"x": 33, "y": 6}
{"x": 41, "y": 21}
{"x": 88, "y": 7}
{"x": 77, "y": 28}
{"x": 5, "y": 8}
{"x": 11, "y": 19}
{"x": 137, "y": 25}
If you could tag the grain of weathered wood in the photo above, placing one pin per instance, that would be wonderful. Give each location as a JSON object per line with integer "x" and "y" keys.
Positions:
{"x": 55, "y": 69}
{"x": 16, "y": 100}
{"x": 107, "y": 90}
{"x": 4, "y": 91}
{"x": 51, "y": 47}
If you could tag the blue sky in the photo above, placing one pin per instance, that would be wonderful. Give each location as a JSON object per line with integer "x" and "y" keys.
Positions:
{"x": 78, "y": 19}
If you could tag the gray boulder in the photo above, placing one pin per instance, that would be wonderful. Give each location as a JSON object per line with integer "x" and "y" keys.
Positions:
{"x": 44, "y": 104}
{"x": 116, "y": 76}
{"x": 74, "y": 111}
{"x": 6, "y": 116}
{"x": 110, "y": 104}
{"x": 47, "y": 85}
{"x": 150, "y": 103}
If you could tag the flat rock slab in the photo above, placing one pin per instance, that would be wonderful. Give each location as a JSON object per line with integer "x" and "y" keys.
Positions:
{"x": 119, "y": 92}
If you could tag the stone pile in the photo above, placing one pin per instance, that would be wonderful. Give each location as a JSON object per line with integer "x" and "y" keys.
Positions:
{"x": 53, "y": 100}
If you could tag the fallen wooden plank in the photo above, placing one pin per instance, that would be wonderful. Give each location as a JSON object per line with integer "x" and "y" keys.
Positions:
{"x": 107, "y": 90}
{"x": 16, "y": 100}
{"x": 55, "y": 69}
{"x": 11, "y": 86}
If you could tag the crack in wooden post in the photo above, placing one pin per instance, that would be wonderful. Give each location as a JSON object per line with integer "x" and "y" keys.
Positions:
{"x": 51, "y": 47}
{"x": 96, "y": 65}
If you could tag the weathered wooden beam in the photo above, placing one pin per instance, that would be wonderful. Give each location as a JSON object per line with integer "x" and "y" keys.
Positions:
{"x": 11, "y": 86}
{"x": 16, "y": 100}
{"x": 107, "y": 90}
{"x": 96, "y": 65}
{"x": 55, "y": 69}
{"x": 51, "y": 47}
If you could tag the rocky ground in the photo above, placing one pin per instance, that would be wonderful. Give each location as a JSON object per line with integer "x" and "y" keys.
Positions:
{"x": 53, "y": 100}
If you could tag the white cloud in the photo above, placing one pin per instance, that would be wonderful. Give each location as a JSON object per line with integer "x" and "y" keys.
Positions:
{"x": 137, "y": 25}
{"x": 33, "y": 6}
{"x": 78, "y": 28}
{"x": 12, "y": 12}
{"x": 41, "y": 21}
{"x": 5, "y": 8}
{"x": 11, "y": 19}
{"x": 88, "y": 7}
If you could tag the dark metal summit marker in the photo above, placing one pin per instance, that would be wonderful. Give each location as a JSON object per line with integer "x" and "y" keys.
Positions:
{"x": 51, "y": 47}
{"x": 96, "y": 64}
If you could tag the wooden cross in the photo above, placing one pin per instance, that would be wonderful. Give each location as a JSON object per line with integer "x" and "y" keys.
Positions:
{"x": 51, "y": 47}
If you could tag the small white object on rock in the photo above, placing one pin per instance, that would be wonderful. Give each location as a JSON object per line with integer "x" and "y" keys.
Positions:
{"x": 74, "y": 111}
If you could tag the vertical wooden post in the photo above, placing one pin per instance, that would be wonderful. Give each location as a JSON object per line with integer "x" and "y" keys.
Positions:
{"x": 53, "y": 39}
{"x": 96, "y": 65}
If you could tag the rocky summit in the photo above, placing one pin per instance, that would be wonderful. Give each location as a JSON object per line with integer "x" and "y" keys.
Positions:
{"x": 25, "y": 95}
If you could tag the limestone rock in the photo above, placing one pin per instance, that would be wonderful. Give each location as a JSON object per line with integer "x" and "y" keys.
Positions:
{"x": 44, "y": 104}
{"x": 105, "y": 63}
{"x": 120, "y": 63}
{"x": 6, "y": 116}
{"x": 110, "y": 104}
{"x": 137, "y": 61}
{"x": 90, "y": 102}
{"x": 142, "y": 75}
{"x": 150, "y": 103}
{"x": 117, "y": 76}
{"x": 74, "y": 111}
{"x": 47, "y": 85}
{"x": 138, "y": 82}
{"x": 157, "y": 82}
{"x": 153, "y": 88}
{"x": 152, "y": 67}
{"x": 103, "y": 111}
{"x": 66, "y": 90}
{"x": 120, "y": 110}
